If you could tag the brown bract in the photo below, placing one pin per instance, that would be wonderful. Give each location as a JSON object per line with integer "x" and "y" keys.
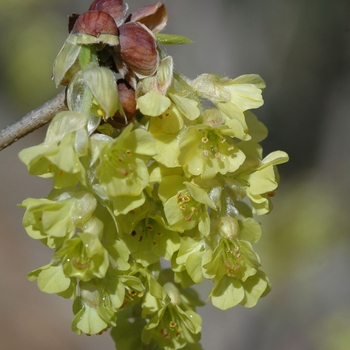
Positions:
{"x": 115, "y": 8}
{"x": 127, "y": 98}
{"x": 138, "y": 49}
{"x": 154, "y": 17}
{"x": 95, "y": 23}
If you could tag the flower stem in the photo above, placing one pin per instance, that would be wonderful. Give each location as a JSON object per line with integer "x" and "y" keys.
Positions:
{"x": 32, "y": 121}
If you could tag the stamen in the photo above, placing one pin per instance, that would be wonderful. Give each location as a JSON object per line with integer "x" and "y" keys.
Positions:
{"x": 101, "y": 113}
{"x": 123, "y": 171}
{"x": 188, "y": 217}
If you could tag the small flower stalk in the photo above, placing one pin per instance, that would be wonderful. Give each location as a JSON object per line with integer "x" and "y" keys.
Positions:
{"x": 145, "y": 175}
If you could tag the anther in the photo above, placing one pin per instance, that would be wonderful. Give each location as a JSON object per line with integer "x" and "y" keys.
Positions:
{"x": 188, "y": 217}
{"x": 101, "y": 113}
{"x": 123, "y": 171}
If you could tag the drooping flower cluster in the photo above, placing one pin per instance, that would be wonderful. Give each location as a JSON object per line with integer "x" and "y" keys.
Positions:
{"x": 143, "y": 172}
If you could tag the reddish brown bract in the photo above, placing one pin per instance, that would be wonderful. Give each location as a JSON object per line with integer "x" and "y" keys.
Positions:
{"x": 138, "y": 48}
{"x": 95, "y": 23}
{"x": 115, "y": 8}
{"x": 153, "y": 16}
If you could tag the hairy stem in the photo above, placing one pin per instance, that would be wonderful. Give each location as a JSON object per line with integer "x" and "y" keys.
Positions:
{"x": 32, "y": 121}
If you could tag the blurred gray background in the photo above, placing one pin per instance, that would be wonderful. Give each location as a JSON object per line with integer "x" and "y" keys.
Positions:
{"x": 302, "y": 50}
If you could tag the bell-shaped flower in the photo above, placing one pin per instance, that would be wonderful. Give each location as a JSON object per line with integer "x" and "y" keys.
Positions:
{"x": 229, "y": 291}
{"x": 262, "y": 180}
{"x": 93, "y": 309}
{"x": 185, "y": 204}
{"x": 122, "y": 170}
{"x": 174, "y": 325}
{"x": 233, "y": 264}
{"x": 232, "y": 98}
{"x": 84, "y": 256}
{"x": 244, "y": 91}
{"x": 150, "y": 240}
{"x": 58, "y": 157}
{"x": 100, "y": 299}
{"x": 206, "y": 151}
{"x": 53, "y": 220}
{"x": 94, "y": 89}
{"x": 232, "y": 256}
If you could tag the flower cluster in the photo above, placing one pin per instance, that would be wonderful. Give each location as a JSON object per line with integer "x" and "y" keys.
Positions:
{"x": 156, "y": 178}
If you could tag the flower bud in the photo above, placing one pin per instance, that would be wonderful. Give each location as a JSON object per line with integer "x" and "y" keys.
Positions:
{"x": 95, "y": 23}
{"x": 228, "y": 227}
{"x": 154, "y": 17}
{"x": 115, "y": 8}
{"x": 138, "y": 48}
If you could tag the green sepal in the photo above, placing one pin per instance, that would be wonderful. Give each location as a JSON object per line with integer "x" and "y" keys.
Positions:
{"x": 168, "y": 149}
{"x": 187, "y": 106}
{"x": 200, "y": 194}
{"x": 257, "y": 130}
{"x": 121, "y": 288}
{"x": 51, "y": 279}
{"x": 125, "y": 204}
{"x": 153, "y": 103}
{"x": 194, "y": 266}
{"x": 101, "y": 83}
{"x": 118, "y": 254}
{"x": 66, "y": 64}
{"x": 227, "y": 293}
{"x": 250, "y": 230}
{"x": 255, "y": 287}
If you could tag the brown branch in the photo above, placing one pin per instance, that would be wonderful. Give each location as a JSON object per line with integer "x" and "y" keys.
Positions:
{"x": 32, "y": 121}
